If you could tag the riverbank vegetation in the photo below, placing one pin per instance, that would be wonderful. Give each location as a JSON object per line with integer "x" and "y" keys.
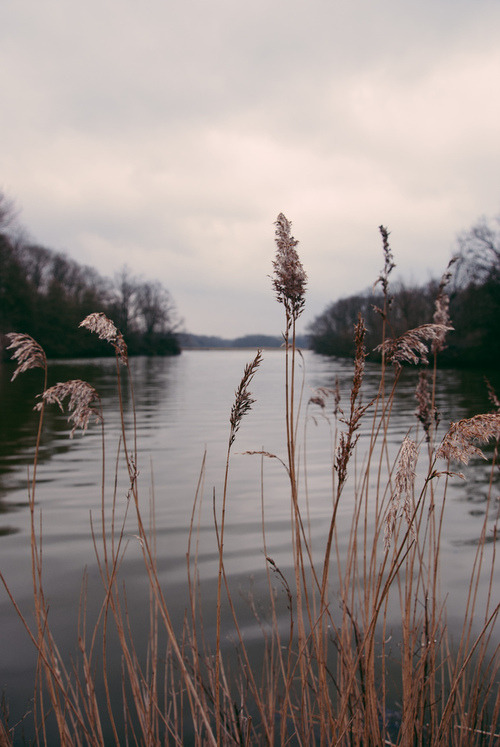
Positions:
{"x": 47, "y": 294}
{"x": 361, "y": 652}
{"x": 473, "y": 290}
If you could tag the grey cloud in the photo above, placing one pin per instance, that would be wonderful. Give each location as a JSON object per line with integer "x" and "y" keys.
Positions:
{"x": 169, "y": 135}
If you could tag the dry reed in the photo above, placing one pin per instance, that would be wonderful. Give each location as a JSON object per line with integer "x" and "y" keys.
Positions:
{"x": 81, "y": 398}
{"x": 105, "y": 329}
{"x": 27, "y": 352}
{"x": 459, "y": 442}
{"x": 323, "y": 672}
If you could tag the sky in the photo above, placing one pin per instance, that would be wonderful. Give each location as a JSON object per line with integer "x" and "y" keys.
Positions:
{"x": 167, "y": 136}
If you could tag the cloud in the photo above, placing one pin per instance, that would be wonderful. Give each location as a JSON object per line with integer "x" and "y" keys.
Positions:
{"x": 168, "y": 136}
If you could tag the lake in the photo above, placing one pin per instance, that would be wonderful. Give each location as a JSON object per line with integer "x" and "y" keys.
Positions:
{"x": 183, "y": 406}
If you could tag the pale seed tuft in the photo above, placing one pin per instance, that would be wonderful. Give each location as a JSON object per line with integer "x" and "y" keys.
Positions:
{"x": 459, "y": 444}
{"x": 425, "y": 412}
{"x": 411, "y": 347}
{"x": 81, "y": 398}
{"x": 106, "y": 330}
{"x": 403, "y": 489}
{"x": 243, "y": 400}
{"x": 290, "y": 278}
{"x": 28, "y": 353}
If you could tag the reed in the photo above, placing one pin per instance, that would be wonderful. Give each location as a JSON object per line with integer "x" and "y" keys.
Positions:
{"x": 328, "y": 677}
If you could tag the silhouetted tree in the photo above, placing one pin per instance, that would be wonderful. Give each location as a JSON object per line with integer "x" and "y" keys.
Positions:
{"x": 46, "y": 294}
{"x": 154, "y": 307}
{"x": 125, "y": 294}
{"x": 478, "y": 253}
{"x": 156, "y": 318}
{"x": 475, "y": 300}
{"x": 37, "y": 261}
{"x": 332, "y": 332}
{"x": 474, "y": 291}
{"x": 7, "y": 212}
{"x": 16, "y": 296}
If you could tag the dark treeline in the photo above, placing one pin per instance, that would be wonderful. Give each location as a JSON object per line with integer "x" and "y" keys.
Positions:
{"x": 190, "y": 341}
{"x": 46, "y": 294}
{"x": 473, "y": 288}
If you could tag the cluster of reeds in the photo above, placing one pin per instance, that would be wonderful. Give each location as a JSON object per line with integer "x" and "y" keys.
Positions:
{"x": 329, "y": 676}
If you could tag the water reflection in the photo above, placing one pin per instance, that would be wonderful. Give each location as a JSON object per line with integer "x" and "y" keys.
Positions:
{"x": 182, "y": 406}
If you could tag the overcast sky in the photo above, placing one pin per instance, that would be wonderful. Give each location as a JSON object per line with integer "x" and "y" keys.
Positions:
{"x": 167, "y": 135}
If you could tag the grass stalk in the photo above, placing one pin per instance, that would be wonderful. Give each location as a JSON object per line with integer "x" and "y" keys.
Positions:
{"x": 322, "y": 674}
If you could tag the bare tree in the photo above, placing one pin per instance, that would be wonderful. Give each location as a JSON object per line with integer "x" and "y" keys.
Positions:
{"x": 479, "y": 252}
{"x": 8, "y": 212}
{"x": 37, "y": 260}
{"x": 142, "y": 306}
{"x": 126, "y": 290}
{"x": 155, "y": 308}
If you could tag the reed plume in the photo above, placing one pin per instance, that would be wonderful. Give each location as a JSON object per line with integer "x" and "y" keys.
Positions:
{"x": 411, "y": 347}
{"x": 426, "y": 411}
{"x": 442, "y": 309}
{"x": 27, "y": 352}
{"x": 242, "y": 399}
{"x": 106, "y": 330}
{"x": 322, "y": 394}
{"x": 319, "y": 398}
{"x": 383, "y": 278}
{"x": 403, "y": 489}
{"x": 81, "y": 398}
{"x": 459, "y": 443}
{"x": 349, "y": 440}
{"x": 290, "y": 278}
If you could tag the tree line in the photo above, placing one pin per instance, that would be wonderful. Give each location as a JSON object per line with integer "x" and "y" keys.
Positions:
{"x": 46, "y": 294}
{"x": 472, "y": 285}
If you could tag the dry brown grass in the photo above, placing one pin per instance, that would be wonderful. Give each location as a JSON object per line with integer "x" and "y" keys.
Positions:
{"x": 328, "y": 676}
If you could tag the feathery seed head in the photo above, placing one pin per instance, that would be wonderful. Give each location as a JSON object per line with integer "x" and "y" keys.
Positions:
{"x": 411, "y": 347}
{"x": 81, "y": 397}
{"x": 348, "y": 441}
{"x": 106, "y": 330}
{"x": 441, "y": 317}
{"x": 322, "y": 394}
{"x": 318, "y": 399}
{"x": 101, "y": 325}
{"x": 27, "y": 352}
{"x": 425, "y": 412}
{"x": 243, "y": 400}
{"x": 403, "y": 488}
{"x": 459, "y": 443}
{"x": 290, "y": 278}
{"x": 360, "y": 356}
{"x": 447, "y": 275}
{"x": 389, "y": 266}
{"x": 442, "y": 307}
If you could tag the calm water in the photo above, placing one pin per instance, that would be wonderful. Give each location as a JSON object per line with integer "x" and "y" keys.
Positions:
{"x": 183, "y": 407}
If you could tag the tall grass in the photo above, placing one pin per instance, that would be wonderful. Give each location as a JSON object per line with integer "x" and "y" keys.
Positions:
{"x": 332, "y": 675}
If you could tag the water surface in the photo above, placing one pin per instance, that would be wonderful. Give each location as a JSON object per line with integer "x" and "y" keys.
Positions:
{"x": 183, "y": 406}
